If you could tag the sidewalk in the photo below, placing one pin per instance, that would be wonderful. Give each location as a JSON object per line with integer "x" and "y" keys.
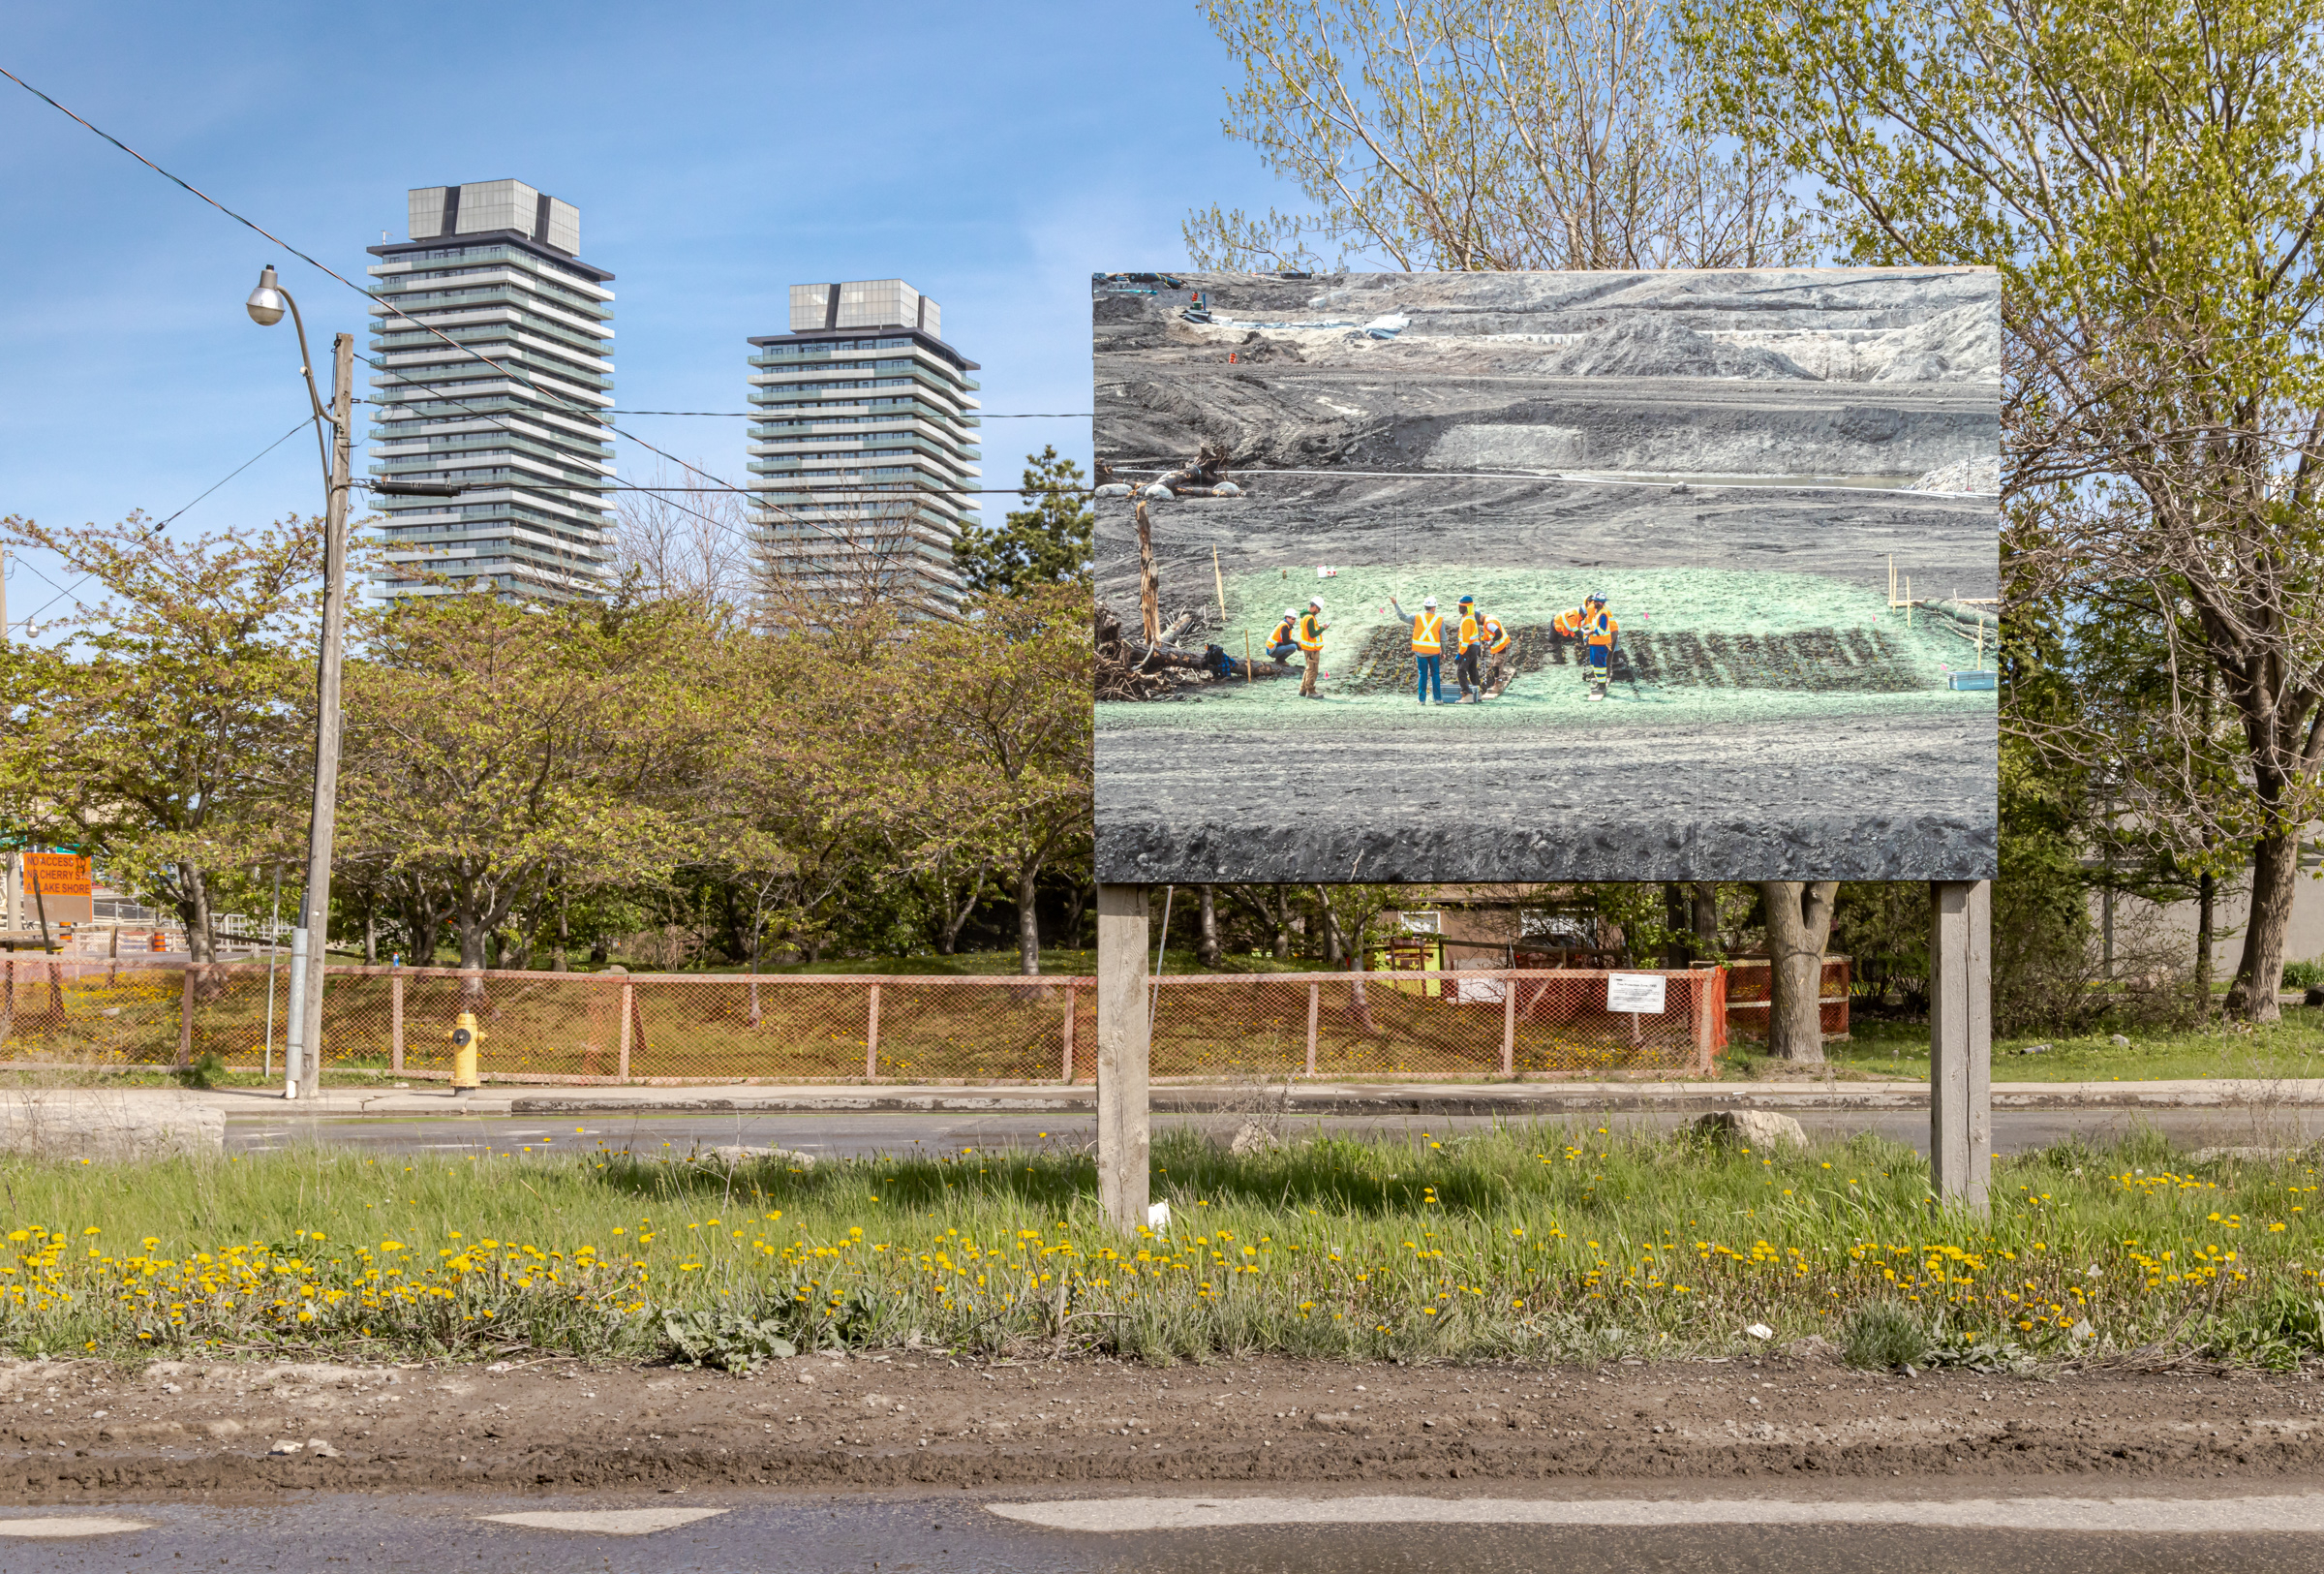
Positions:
{"x": 1515, "y": 1100}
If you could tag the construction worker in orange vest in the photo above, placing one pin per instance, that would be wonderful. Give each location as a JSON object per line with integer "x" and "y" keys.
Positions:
{"x": 1310, "y": 635}
{"x": 1595, "y": 627}
{"x": 1283, "y": 644}
{"x": 1470, "y": 647}
{"x": 1501, "y": 656}
{"x": 1427, "y": 648}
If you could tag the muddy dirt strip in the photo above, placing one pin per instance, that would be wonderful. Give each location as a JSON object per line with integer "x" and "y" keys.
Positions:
{"x": 71, "y": 1431}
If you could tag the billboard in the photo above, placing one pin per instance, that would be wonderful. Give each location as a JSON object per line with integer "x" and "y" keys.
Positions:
{"x": 1537, "y": 576}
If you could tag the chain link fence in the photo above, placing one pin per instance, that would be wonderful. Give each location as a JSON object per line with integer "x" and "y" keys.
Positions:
{"x": 653, "y": 1028}
{"x": 1466, "y": 1022}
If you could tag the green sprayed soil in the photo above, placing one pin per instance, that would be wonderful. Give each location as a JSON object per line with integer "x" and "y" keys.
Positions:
{"x": 1699, "y": 647}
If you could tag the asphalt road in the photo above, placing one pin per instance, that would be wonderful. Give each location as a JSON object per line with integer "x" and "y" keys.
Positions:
{"x": 846, "y": 1136}
{"x": 1678, "y": 1526}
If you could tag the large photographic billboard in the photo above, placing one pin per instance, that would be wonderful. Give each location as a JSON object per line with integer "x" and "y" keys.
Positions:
{"x": 1564, "y": 576}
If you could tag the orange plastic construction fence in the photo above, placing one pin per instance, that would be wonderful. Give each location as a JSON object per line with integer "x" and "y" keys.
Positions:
{"x": 616, "y": 1026}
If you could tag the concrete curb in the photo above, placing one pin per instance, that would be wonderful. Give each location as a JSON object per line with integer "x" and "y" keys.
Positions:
{"x": 1514, "y": 1102}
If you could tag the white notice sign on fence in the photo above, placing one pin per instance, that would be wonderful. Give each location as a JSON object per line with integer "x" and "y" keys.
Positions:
{"x": 1634, "y": 992}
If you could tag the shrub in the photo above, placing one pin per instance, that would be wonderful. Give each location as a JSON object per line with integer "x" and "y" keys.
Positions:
{"x": 2302, "y": 974}
{"x": 1883, "y": 1335}
{"x": 725, "y": 1340}
{"x": 204, "y": 1072}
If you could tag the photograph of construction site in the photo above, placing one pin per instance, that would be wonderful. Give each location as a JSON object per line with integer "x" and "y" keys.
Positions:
{"x": 1527, "y": 576}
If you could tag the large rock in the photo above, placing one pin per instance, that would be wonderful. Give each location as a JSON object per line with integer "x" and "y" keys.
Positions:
{"x": 1755, "y": 1128}
{"x": 103, "y": 1125}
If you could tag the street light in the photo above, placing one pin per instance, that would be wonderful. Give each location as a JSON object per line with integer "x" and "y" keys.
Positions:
{"x": 303, "y": 1067}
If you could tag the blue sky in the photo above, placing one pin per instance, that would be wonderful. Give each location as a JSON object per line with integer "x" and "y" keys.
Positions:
{"x": 993, "y": 155}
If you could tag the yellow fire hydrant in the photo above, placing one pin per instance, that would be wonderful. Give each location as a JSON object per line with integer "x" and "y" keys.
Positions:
{"x": 465, "y": 1035}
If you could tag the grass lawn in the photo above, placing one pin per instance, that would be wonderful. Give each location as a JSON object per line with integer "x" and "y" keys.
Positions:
{"x": 1550, "y": 1242}
{"x": 2291, "y": 1048}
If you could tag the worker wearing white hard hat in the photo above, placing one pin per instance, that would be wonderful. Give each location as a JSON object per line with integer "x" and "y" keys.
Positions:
{"x": 1427, "y": 649}
{"x": 1283, "y": 644}
{"x": 1310, "y": 636}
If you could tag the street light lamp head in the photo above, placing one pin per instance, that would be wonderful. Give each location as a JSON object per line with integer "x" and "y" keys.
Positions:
{"x": 266, "y": 303}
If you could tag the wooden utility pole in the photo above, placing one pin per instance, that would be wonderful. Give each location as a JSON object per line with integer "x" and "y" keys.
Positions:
{"x": 315, "y": 907}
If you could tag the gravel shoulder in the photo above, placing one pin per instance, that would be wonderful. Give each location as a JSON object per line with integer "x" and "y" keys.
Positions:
{"x": 87, "y": 1431}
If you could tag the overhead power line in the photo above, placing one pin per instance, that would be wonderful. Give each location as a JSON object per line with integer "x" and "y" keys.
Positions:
{"x": 160, "y": 525}
{"x": 756, "y": 415}
{"x": 762, "y": 414}
{"x": 519, "y": 378}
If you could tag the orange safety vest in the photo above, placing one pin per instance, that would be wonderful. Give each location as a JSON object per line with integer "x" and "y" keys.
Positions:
{"x": 1597, "y": 627}
{"x": 1283, "y": 631}
{"x": 1496, "y": 638}
{"x": 1311, "y": 632}
{"x": 1468, "y": 630}
{"x": 1428, "y": 634}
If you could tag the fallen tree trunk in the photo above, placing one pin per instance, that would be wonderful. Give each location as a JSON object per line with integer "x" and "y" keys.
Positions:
{"x": 1212, "y": 658}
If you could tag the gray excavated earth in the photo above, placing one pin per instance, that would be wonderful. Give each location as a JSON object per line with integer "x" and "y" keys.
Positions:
{"x": 1741, "y": 459}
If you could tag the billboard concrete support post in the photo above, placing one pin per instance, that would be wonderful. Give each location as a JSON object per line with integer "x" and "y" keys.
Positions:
{"x": 1124, "y": 1039}
{"x": 1961, "y": 1041}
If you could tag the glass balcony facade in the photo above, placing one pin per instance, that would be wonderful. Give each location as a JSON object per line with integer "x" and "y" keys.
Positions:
{"x": 490, "y": 267}
{"x": 863, "y": 462}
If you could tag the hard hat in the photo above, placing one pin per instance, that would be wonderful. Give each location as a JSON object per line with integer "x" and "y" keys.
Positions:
{"x": 1430, "y": 602}
{"x": 1598, "y": 596}
{"x": 1291, "y": 611}
{"x": 1316, "y": 603}
{"x": 1468, "y": 600}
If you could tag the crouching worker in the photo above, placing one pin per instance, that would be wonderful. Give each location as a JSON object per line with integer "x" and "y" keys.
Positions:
{"x": 1427, "y": 648}
{"x": 1595, "y": 627}
{"x": 1501, "y": 657}
{"x": 1284, "y": 644}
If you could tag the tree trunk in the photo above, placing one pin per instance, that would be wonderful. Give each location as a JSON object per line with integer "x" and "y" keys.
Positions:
{"x": 475, "y": 937}
{"x": 201, "y": 946}
{"x": 1073, "y": 914}
{"x": 1678, "y": 918}
{"x": 1029, "y": 921}
{"x": 2207, "y": 903}
{"x": 560, "y": 965}
{"x": 1706, "y": 916}
{"x": 1322, "y": 902}
{"x": 1280, "y": 916}
{"x": 1206, "y": 939}
{"x": 2275, "y": 868}
{"x": 953, "y": 920}
{"x": 1799, "y": 921}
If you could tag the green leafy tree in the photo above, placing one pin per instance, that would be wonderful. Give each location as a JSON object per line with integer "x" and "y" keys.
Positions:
{"x": 1050, "y": 541}
{"x": 169, "y": 732}
{"x": 996, "y": 721}
{"x": 2148, "y": 177}
{"x": 1482, "y": 136}
{"x": 492, "y": 751}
